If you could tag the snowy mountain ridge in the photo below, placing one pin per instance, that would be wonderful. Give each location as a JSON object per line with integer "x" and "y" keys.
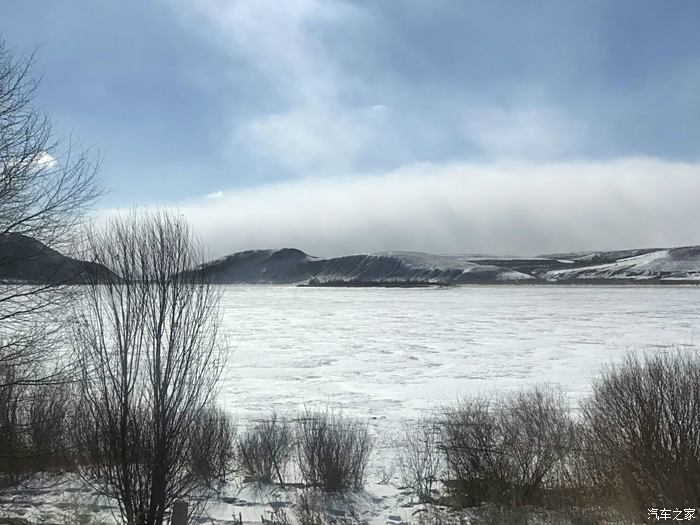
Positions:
{"x": 24, "y": 259}
{"x": 293, "y": 266}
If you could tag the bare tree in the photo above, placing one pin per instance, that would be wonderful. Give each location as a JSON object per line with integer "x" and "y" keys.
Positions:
{"x": 46, "y": 187}
{"x": 146, "y": 343}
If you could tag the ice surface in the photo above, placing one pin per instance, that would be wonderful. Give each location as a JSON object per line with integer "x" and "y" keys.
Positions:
{"x": 388, "y": 354}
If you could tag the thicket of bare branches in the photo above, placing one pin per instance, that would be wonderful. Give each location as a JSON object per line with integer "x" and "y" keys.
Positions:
{"x": 333, "y": 451}
{"x": 212, "y": 450}
{"x": 147, "y": 346}
{"x": 46, "y": 186}
{"x": 506, "y": 451}
{"x": 34, "y": 435}
{"x": 264, "y": 450}
{"x": 421, "y": 461}
{"x": 643, "y": 431}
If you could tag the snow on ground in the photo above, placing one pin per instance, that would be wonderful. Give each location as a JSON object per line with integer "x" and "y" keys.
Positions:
{"x": 512, "y": 275}
{"x": 638, "y": 263}
{"x": 389, "y": 355}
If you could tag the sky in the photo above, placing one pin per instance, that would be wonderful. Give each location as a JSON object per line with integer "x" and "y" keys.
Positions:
{"x": 345, "y": 126}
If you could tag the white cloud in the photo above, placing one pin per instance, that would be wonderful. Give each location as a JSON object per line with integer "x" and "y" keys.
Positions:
{"x": 534, "y": 133}
{"x": 311, "y": 139}
{"x": 214, "y": 195}
{"x": 517, "y": 208}
{"x": 41, "y": 161}
{"x": 46, "y": 160}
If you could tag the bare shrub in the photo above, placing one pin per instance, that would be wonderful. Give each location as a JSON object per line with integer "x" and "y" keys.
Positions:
{"x": 333, "y": 451}
{"x": 541, "y": 438}
{"x": 386, "y": 471}
{"x": 420, "y": 459}
{"x": 47, "y": 429}
{"x": 506, "y": 452}
{"x": 12, "y": 445}
{"x": 264, "y": 451}
{"x": 643, "y": 431}
{"x": 211, "y": 448}
{"x": 33, "y": 431}
{"x": 472, "y": 444}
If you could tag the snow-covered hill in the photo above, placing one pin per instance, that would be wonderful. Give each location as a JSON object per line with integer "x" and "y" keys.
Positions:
{"x": 666, "y": 265}
{"x": 285, "y": 266}
{"x": 25, "y": 259}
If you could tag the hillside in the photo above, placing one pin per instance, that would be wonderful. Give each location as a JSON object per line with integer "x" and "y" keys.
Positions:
{"x": 287, "y": 266}
{"x": 667, "y": 265}
{"x": 23, "y": 259}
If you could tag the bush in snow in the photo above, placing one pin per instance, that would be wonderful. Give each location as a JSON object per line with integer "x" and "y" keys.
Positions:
{"x": 420, "y": 460}
{"x": 506, "y": 451}
{"x": 264, "y": 451}
{"x": 643, "y": 431}
{"x": 333, "y": 451}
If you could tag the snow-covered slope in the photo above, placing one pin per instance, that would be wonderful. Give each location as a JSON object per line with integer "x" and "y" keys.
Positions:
{"x": 294, "y": 266}
{"x": 660, "y": 265}
{"x": 416, "y": 268}
{"x": 23, "y": 259}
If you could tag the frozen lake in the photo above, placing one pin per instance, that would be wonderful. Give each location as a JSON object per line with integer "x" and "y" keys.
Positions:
{"x": 387, "y": 354}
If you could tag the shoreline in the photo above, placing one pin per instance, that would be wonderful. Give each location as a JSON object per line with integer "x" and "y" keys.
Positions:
{"x": 522, "y": 282}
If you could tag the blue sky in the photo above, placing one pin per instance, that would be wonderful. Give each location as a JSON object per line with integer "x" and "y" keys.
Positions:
{"x": 455, "y": 126}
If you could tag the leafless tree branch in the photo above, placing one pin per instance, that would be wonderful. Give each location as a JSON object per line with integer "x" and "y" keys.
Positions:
{"x": 147, "y": 347}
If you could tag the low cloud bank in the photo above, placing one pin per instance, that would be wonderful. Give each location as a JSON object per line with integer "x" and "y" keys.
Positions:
{"x": 522, "y": 209}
